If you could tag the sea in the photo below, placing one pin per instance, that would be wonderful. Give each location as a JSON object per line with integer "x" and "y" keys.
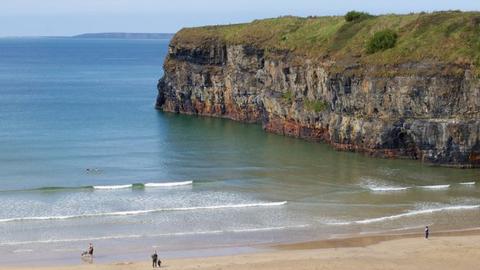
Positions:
{"x": 86, "y": 158}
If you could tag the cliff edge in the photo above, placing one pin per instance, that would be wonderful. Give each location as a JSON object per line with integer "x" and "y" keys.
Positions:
{"x": 315, "y": 78}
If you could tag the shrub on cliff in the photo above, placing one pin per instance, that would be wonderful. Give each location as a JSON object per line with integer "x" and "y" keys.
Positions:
{"x": 316, "y": 105}
{"x": 447, "y": 37}
{"x": 288, "y": 96}
{"x": 353, "y": 15}
{"x": 381, "y": 41}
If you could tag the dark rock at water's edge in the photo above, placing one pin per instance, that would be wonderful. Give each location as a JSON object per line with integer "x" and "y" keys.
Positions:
{"x": 425, "y": 109}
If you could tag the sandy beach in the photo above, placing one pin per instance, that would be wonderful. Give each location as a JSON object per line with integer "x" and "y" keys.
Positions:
{"x": 447, "y": 250}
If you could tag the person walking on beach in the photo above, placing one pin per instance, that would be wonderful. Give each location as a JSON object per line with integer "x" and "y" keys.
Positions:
{"x": 154, "y": 259}
{"x": 427, "y": 232}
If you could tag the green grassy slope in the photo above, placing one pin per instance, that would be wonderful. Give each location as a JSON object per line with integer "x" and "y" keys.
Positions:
{"x": 452, "y": 37}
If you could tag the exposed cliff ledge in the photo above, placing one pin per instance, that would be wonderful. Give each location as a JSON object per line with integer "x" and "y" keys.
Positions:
{"x": 418, "y": 100}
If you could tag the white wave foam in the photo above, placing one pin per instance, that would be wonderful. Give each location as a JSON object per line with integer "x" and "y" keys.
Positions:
{"x": 340, "y": 223}
{"x": 270, "y": 228}
{"x": 50, "y": 241}
{"x": 409, "y": 228}
{"x": 186, "y": 233}
{"x": 380, "y": 186}
{"x": 113, "y": 187}
{"x": 387, "y": 189}
{"x": 140, "y": 212}
{"x": 408, "y": 214}
{"x": 23, "y": 250}
{"x": 171, "y": 184}
{"x": 468, "y": 183}
{"x": 150, "y": 235}
{"x": 435, "y": 187}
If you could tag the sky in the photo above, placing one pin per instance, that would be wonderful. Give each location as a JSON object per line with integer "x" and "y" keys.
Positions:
{"x": 70, "y": 17}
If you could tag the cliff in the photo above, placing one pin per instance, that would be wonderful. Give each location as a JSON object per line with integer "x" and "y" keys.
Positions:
{"x": 312, "y": 78}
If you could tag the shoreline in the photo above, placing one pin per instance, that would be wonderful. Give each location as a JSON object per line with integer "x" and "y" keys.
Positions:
{"x": 371, "y": 239}
{"x": 393, "y": 251}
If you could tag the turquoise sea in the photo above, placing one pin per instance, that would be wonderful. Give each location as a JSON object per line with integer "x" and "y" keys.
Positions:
{"x": 85, "y": 157}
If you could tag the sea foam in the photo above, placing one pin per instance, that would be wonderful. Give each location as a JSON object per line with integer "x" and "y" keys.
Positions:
{"x": 435, "y": 187}
{"x": 381, "y": 186}
{"x": 113, "y": 187}
{"x": 142, "y": 212}
{"x": 171, "y": 184}
{"x": 468, "y": 183}
{"x": 387, "y": 189}
{"x": 133, "y": 236}
{"x": 408, "y": 214}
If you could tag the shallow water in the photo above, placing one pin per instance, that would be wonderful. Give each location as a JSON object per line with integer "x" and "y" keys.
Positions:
{"x": 83, "y": 155}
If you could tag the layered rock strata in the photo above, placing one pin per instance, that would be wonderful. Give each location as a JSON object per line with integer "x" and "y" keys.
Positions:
{"x": 414, "y": 110}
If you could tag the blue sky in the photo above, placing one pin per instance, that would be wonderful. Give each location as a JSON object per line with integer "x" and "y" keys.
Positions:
{"x": 68, "y": 17}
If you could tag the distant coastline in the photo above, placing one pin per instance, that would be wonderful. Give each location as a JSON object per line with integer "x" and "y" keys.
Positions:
{"x": 113, "y": 35}
{"x": 118, "y": 35}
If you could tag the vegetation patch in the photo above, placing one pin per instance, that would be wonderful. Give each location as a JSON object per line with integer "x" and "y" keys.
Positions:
{"x": 382, "y": 40}
{"x": 441, "y": 37}
{"x": 316, "y": 105}
{"x": 288, "y": 96}
{"x": 355, "y": 16}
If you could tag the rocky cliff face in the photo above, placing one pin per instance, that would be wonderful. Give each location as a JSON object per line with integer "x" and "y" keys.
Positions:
{"x": 418, "y": 110}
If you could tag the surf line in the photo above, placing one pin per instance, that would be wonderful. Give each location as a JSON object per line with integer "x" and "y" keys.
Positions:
{"x": 105, "y": 187}
{"x": 146, "y": 185}
{"x": 143, "y": 212}
{"x": 427, "y": 187}
{"x": 133, "y": 236}
{"x": 408, "y": 214}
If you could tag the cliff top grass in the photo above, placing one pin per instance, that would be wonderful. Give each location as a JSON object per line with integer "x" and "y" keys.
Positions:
{"x": 450, "y": 36}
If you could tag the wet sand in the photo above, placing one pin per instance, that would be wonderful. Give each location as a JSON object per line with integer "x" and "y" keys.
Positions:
{"x": 444, "y": 250}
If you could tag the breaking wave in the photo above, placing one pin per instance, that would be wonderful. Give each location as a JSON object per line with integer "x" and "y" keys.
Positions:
{"x": 435, "y": 187}
{"x": 113, "y": 187}
{"x": 172, "y": 184}
{"x": 380, "y": 186}
{"x": 387, "y": 189}
{"x": 142, "y": 212}
{"x": 107, "y": 187}
{"x": 468, "y": 183}
{"x": 408, "y": 214}
{"x": 113, "y": 237}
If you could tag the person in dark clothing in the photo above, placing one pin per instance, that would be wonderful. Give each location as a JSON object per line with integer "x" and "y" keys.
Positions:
{"x": 87, "y": 255}
{"x": 427, "y": 232}
{"x": 154, "y": 259}
{"x": 90, "y": 250}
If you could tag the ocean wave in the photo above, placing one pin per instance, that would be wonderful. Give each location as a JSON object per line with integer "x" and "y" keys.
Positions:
{"x": 380, "y": 186}
{"x": 51, "y": 241}
{"x": 113, "y": 187}
{"x": 408, "y": 214}
{"x": 133, "y": 236}
{"x": 104, "y": 187}
{"x": 387, "y": 189}
{"x": 468, "y": 183}
{"x": 22, "y": 250}
{"x": 142, "y": 212}
{"x": 171, "y": 184}
{"x": 435, "y": 187}
{"x": 270, "y": 228}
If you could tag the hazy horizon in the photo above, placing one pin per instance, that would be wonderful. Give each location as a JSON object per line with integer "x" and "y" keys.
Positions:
{"x": 72, "y": 17}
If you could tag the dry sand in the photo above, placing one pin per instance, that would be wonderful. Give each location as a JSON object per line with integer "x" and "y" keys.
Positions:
{"x": 452, "y": 250}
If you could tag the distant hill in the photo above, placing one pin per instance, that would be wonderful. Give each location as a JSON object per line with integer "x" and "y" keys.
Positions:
{"x": 126, "y": 35}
